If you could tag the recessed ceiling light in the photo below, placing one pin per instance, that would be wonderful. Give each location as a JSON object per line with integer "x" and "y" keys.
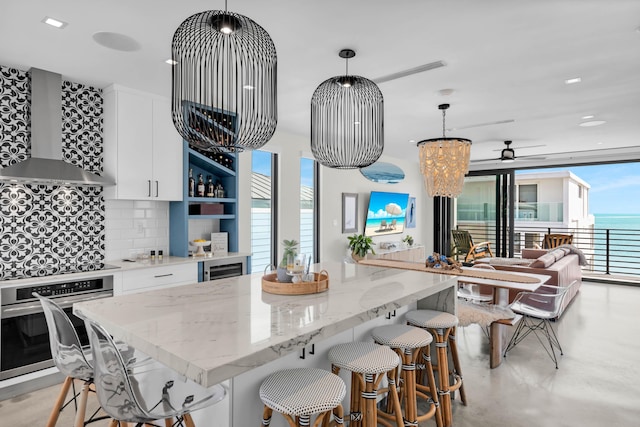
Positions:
{"x": 171, "y": 62}
{"x": 600, "y": 143}
{"x": 54, "y": 22}
{"x": 446, "y": 92}
{"x": 412, "y": 140}
{"x": 248, "y": 87}
{"x": 116, "y": 41}
{"x": 573, "y": 80}
{"x": 587, "y": 117}
{"x": 592, "y": 123}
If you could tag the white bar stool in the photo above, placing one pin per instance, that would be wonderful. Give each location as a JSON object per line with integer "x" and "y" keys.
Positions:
{"x": 368, "y": 363}
{"x": 442, "y": 326}
{"x": 407, "y": 341}
{"x": 298, "y": 394}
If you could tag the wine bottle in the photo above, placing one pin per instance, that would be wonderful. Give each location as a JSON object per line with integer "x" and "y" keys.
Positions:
{"x": 192, "y": 184}
{"x": 210, "y": 192}
{"x": 200, "y": 186}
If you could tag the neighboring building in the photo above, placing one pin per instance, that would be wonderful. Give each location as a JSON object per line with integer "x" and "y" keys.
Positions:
{"x": 556, "y": 201}
{"x": 261, "y": 221}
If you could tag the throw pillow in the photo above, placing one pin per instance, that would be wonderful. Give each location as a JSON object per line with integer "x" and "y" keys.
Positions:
{"x": 530, "y": 253}
{"x": 558, "y": 253}
{"x": 544, "y": 261}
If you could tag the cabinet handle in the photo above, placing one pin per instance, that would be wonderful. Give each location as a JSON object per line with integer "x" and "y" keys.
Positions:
{"x": 163, "y": 275}
{"x": 149, "y": 185}
{"x": 157, "y": 185}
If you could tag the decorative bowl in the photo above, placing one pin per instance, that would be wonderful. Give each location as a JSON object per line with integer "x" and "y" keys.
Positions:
{"x": 200, "y": 246}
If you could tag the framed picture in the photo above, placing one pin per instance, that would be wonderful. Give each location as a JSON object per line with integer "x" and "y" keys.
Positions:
{"x": 349, "y": 212}
{"x": 219, "y": 243}
{"x": 411, "y": 213}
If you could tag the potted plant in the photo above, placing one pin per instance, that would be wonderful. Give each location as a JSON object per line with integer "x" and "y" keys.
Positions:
{"x": 290, "y": 251}
{"x": 408, "y": 240}
{"x": 360, "y": 245}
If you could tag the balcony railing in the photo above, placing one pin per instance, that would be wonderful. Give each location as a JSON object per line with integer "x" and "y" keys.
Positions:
{"x": 546, "y": 212}
{"x": 609, "y": 251}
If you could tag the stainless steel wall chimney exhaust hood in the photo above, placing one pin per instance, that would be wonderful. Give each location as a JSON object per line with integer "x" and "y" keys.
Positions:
{"x": 46, "y": 165}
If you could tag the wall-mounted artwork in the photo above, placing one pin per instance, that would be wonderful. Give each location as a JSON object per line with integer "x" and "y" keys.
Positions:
{"x": 386, "y": 213}
{"x": 383, "y": 173}
{"x": 411, "y": 213}
{"x": 349, "y": 212}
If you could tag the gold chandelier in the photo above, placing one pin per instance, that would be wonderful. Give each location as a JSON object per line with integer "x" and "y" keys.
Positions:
{"x": 444, "y": 162}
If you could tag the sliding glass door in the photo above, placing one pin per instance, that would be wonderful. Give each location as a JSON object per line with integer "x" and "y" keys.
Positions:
{"x": 486, "y": 209}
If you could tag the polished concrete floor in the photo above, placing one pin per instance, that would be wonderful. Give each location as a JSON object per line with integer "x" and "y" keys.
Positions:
{"x": 597, "y": 383}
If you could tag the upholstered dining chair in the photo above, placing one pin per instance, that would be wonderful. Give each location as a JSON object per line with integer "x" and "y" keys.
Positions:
{"x": 71, "y": 359}
{"x": 463, "y": 245}
{"x": 554, "y": 240}
{"x": 145, "y": 395}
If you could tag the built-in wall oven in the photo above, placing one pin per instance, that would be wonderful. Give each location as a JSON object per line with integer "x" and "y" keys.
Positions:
{"x": 24, "y": 338}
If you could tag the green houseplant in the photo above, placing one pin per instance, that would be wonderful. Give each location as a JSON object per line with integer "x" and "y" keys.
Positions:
{"x": 408, "y": 240}
{"x": 360, "y": 245}
{"x": 290, "y": 249}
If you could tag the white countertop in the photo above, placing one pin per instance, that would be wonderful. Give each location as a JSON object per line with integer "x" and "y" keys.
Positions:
{"x": 172, "y": 260}
{"x": 120, "y": 266}
{"x": 213, "y": 331}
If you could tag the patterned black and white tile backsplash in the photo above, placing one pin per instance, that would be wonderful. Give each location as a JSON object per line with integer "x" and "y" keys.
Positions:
{"x": 47, "y": 229}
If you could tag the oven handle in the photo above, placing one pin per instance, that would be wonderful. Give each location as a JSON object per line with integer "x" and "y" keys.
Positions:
{"x": 35, "y": 307}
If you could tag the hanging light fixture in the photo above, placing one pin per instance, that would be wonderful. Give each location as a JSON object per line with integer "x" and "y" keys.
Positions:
{"x": 347, "y": 116}
{"x": 224, "y": 82}
{"x": 444, "y": 162}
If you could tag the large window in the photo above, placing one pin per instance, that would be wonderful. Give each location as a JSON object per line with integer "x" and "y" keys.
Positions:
{"x": 263, "y": 209}
{"x": 308, "y": 208}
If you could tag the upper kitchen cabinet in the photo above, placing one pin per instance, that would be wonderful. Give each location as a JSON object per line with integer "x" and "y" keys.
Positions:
{"x": 142, "y": 149}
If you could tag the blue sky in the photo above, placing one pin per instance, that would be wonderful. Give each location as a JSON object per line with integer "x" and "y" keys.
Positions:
{"x": 615, "y": 188}
{"x": 261, "y": 163}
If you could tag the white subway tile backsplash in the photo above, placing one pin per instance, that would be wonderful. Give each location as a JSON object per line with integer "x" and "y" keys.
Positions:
{"x": 134, "y": 228}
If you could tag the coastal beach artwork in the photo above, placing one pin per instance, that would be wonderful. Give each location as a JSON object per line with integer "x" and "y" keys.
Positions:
{"x": 386, "y": 213}
{"x": 383, "y": 173}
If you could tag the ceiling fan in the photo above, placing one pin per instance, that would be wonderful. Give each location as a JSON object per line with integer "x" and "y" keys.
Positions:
{"x": 508, "y": 154}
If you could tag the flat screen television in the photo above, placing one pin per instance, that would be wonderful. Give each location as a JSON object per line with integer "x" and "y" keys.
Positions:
{"x": 386, "y": 213}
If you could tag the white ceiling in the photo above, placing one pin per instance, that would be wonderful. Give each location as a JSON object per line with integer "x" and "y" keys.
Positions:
{"x": 506, "y": 60}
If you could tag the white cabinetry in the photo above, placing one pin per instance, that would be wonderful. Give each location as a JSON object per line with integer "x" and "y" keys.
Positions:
{"x": 146, "y": 279}
{"x": 142, "y": 149}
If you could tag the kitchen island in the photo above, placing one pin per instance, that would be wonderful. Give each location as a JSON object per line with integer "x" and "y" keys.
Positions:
{"x": 219, "y": 330}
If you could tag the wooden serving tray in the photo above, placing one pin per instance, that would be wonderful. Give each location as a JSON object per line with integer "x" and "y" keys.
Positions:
{"x": 271, "y": 285}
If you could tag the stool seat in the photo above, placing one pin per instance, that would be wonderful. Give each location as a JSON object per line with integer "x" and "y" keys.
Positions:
{"x": 303, "y": 391}
{"x": 401, "y": 336}
{"x": 431, "y": 319}
{"x": 363, "y": 357}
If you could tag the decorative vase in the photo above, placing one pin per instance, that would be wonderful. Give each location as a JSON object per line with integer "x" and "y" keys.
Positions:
{"x": 283, "y": 277}
{"x": 356, "y": 257}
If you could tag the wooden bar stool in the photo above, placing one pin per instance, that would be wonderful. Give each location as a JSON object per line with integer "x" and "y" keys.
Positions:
{"x": 442, "y": 326}
{"x": 298, "y": 394}
{"x": 368, "y": 363}
{"x": 407, "y": 341}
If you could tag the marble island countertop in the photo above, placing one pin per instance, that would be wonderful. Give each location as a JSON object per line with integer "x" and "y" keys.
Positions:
{"x": 213, "y": 331}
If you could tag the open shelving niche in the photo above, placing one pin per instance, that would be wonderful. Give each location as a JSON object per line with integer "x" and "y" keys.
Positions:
{"x": 179, "y": 211}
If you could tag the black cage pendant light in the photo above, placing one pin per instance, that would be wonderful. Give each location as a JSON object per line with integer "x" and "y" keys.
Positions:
{"x": 224, "y": 82}
{"x": 347, "y": 119}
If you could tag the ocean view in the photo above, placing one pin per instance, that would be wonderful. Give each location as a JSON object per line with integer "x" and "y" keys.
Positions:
{"x": 624, "y": 242}
{"x": 618, "y": 221}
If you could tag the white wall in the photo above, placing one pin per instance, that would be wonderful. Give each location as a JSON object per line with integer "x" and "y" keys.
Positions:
{"x": 333, "y": 183}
